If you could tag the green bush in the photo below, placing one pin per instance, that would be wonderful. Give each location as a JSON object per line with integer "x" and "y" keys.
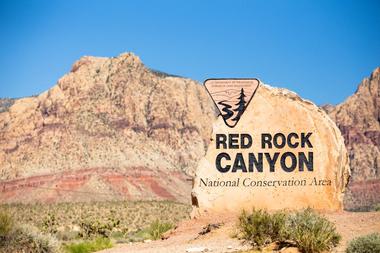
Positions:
{"x": 365, "y": 244}
{"x": 153, "y": 232}
{"x": 6, "y": 225}
{"x": 26, "y": 238}
{"x": 89, "y": 246}
{"x": 68, "y": 235}
{"x": 279, "y": 230}
{"x": 305, "y": 229}
{"x": 376, "y": 207}
{"x": 312, "y": 232}
{"x": 157, "y": 228}
{"x": 120, "y": 237}
{"x": 139, "y": 235}
{"x": 49, "y": 224}
{"x": 261, "y": 228}
{"x": 91, "y": 229}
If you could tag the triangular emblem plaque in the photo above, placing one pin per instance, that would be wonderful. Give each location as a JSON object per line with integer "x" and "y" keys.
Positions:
{"x": 232, "y": 96}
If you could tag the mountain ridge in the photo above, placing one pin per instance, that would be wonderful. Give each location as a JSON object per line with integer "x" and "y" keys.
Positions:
{"x": 111, "y": 113}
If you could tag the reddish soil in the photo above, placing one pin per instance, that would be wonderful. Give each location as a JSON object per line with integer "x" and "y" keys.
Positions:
{"x": 105, "y": 183}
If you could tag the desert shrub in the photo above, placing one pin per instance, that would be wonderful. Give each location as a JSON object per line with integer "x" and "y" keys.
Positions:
{"x": 96, "y": 228}
{"x": 305, "y": 229}
{"x": 261, "y": 227}
{"x": 119, "y": 236}
{"x": 157, "y": 228}
{"x": 365, "y": 244}
{"x": 97, "y": 244}
{"x": 153, "y": 232}
{"x": 49, "y": 224}
{"x": 133, "y": 215}
{"x": 279, "y": 230}
{"x": 376, "y": 207}
{"x": 312, "y": 232}
{"x": 29, "y": 239}
{"x": 24, "y": 238}
{"x": 6, "y": 225}
{"x": 140, "y": 235}
{"x": 68, "y": 235}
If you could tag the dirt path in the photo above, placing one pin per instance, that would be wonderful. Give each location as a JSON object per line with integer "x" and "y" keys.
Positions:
{"x": 186, "y": 236}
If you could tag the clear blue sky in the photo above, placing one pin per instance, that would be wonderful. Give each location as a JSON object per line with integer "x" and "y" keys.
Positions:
{"x": 319, "y": 49}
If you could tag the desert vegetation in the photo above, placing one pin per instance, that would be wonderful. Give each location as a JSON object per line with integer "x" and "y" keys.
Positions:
{"x": 365, "y": 244}
{"x": 84, "y": 227}
{"x": 307, "y": 230}
{"x": 16, "y": 237}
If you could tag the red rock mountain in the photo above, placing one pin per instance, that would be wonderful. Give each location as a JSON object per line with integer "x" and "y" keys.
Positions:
{"x": 109, "y": 129}
{"x": 359, "y": 121}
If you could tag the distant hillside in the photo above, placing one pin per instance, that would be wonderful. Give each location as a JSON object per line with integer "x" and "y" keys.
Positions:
{"x": 358, "y": 118}
{"x": 109, "y": 129}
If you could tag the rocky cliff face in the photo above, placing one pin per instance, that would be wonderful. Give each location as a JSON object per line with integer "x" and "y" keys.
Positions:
{"x": 110, "y": 126}
{"x": 359, "y": 121}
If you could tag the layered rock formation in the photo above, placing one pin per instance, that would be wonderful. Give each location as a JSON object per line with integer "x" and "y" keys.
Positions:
{"x": 293, "y": 156}
{"x": 108, "y": 116}
{"x": 358, "y": 118}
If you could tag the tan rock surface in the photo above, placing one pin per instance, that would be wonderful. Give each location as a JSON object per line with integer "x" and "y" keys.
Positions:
{"x": 274, "y": 110}
{"x": 107, "y": 114}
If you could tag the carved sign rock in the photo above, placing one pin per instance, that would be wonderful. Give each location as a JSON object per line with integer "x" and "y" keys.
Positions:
{"x": 283, "y": 153}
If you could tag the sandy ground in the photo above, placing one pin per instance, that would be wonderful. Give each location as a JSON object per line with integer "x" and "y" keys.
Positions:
{"x": 185, "y": 236}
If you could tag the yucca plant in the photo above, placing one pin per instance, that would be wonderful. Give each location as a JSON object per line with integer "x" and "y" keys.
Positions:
{"x": 260, "y": 227}
{"x": 311, "y": 232}
{"x": 157, "y": 228}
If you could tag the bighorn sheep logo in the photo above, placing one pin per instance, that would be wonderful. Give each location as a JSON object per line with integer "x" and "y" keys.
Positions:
{"x": 231, "y": 96}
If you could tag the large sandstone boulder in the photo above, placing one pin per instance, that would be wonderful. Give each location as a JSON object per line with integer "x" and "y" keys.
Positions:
{"x": 310, "y": 171}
